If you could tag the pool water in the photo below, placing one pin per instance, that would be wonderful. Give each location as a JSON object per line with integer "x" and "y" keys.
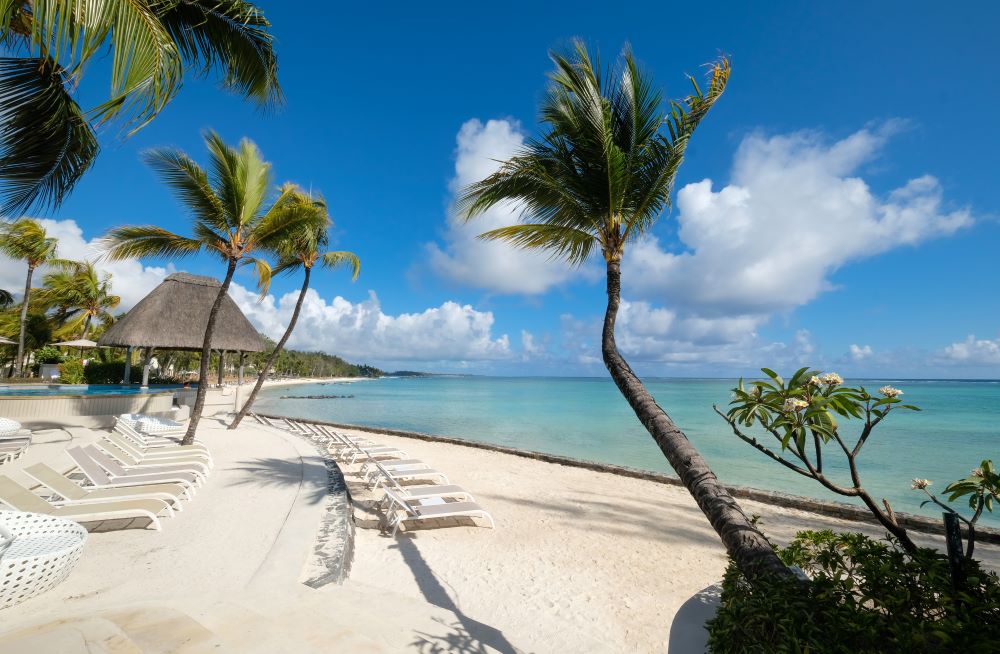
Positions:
{"x": 35, "y": 390}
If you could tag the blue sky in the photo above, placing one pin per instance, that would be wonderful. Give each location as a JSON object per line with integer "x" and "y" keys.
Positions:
{"x": 850, "y": 220}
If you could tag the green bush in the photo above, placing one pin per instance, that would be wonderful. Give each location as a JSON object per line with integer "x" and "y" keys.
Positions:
{"x": 865, "y": 595}
{"x": 48, "y": 354}
{"x": 97, "y": 372}
{"x": 71, "y": 372}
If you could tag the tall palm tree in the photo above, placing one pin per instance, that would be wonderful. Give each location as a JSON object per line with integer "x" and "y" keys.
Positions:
{"x": 233, "y": 217}
{"x": 26, "y": 240}
{"x": 598, "y": 177}
{"x": 47, "y": 140}
{"x": 6, "y": 298}
{"x": 300, "y": 252}
{"x": 80, "y": 294}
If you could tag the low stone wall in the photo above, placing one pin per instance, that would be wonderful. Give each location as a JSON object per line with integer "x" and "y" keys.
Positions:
{"x": 35, "y": 412}
{"x": 838, "y": 510}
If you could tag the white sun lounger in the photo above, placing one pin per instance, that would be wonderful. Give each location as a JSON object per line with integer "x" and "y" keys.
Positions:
{"x": 146, "y": 440}
{"x": 100, "y": 477}
{"x": 116, "y": 469}
{"x": 21, "y": 499}
{"x": 152, "y": 464}
{"x": 368, "y": 470}
{"x": 153, "y": 425}
{"x": 420, "y": 510}
{"x": 70, "y": 491}
{"x": 178, "y": 452}
{"x": 419, "y": 492}
{"x": 405, "y": 474}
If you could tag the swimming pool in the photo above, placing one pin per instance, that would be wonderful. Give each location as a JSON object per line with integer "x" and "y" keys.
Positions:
{"x": 79, "y": 390}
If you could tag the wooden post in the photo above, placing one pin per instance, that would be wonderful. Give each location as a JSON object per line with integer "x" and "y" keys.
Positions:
{"x": 222, "y": 364}
{"x": 146, "y": 360}
{"x": 128, "y": 365}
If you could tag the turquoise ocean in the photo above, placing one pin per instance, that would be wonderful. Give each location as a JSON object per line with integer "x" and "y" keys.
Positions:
{"x": 586, "y": 418}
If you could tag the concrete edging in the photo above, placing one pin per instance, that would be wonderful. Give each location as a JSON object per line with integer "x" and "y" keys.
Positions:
{"x": 838, "y": 510}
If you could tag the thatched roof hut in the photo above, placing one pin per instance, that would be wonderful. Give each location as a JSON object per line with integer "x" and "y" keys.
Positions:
{"x": 174, "y": 316}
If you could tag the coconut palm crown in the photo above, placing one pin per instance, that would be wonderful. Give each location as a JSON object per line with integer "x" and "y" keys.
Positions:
{"x": 235, "y": 217}
{"x": 597, "y": 178}
{"x": 47, "y": 140}
{"x": 79, "y": 294}
{"x": 25, "y": 239}
{"x": 303, "y": 251}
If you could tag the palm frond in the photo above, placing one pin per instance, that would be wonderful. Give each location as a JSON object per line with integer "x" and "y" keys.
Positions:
{"x": 138, "y": 241}
{"x": 230, "y": 35}
{"x": 342, "y": 259}
{"x": 190, "y": 184}
{"x": 262, "y": 273}
{"x": 572, "y": 245}
{"x": 25, "y": 239}
{"x": 46, "y": 144}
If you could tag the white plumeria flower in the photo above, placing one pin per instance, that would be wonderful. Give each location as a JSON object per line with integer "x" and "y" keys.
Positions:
{"x": 815, "y": 381}
{"x": 889, "y": 391}
{"x": 795, "y": 404}
{"x": 977, "y": 472}
{"x": 832, "y": 379}
{"x": 920, "y": 484}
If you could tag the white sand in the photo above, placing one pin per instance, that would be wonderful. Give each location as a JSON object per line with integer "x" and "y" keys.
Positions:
{"x": 580, "y": 561}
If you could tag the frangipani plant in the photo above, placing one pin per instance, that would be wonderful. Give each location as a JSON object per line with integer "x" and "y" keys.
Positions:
{"x": 982, "y": 487}
{"x": 801, "y": 415}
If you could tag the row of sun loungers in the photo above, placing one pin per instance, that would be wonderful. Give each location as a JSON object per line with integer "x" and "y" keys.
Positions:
{"x": 139, "y": 470}
{"x": 404, "y": 499}
{"x": 12, "y": 447}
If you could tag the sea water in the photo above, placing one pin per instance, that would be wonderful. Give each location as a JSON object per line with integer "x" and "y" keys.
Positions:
{"x": 587, "y": 418}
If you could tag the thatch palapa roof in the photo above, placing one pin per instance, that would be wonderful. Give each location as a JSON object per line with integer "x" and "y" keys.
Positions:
{"x": 174, "y": 316}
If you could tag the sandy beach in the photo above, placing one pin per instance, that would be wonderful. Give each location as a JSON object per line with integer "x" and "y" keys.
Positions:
{"x": 579, "y": 561}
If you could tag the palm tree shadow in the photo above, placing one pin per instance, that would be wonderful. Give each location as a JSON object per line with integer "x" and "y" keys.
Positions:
{"x": 467, "y": 636}
{"x": 277, "y": 472}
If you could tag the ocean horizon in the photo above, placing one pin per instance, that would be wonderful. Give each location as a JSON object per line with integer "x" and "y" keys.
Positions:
{"x": 586, "y": 418}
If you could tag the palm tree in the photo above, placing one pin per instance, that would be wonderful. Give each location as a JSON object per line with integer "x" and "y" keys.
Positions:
{"x": 80, "y": 295}
{"x": 302, "y": 251}
{"x": 231, "y": 216}
{"x": 6, "y": 298}
{"x": 47, "y": 140}
{"x": 25, "y": 240}
{"x": 598, "y": 178}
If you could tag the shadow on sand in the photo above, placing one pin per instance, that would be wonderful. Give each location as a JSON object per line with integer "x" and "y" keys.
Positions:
{"x": 467, "y": 636}
{"x": 687, "y": 632}
{"x": 284, "y": 472}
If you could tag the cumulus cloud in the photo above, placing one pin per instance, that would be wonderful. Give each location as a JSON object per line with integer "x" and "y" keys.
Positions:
{"x": 859, "y": 352}
{"x": 974, "y": 351}
{"x": 362, "y": 332}
{"x": 795, "y": 211}
{"x": 466, "y": 260}
{"x": 130, "y": 279}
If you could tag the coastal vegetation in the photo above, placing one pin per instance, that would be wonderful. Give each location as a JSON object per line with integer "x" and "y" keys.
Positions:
{"x": 301, "y": 251}
{"x": 597, "y": 179}
{"x": 25, "y": 240}
{"x": 48, "y": 141}
{"x": 235, "y": 218}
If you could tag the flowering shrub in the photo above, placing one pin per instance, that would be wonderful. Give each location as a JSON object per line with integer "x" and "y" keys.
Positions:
{"x": 801, "y": 416}
{"x": 982, "y": 487}
{"x": 864, "y": 595}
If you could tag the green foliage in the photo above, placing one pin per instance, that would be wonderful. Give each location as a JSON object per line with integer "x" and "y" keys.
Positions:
{"x": 48, "y": 354}
{"x": 310, "y": 364}
{"x": 982, "y": 487}
{"x": 97, "y": 372}
{"x": 71, "y": 372}
{"x": 864, "y": 595}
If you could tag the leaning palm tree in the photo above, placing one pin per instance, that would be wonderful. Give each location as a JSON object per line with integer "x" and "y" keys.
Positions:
{"x": 598, "y": 178}
{"x": 6, "y": 298}
{"x": 233, "y": 218}
{"x": 47, "y": 140}
{"x": 301, "y": 251}
{"x": 26, "y": 240}
{"x": 79, "y": 294}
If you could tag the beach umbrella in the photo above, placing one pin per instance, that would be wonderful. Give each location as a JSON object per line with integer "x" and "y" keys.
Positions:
{"x": 79, "y": 343}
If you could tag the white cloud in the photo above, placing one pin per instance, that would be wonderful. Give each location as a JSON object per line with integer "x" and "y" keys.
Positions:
{"x": 974, "y": 351}
{"x": 793, "y": 213}
{"x": 466, "y": 260}
{"x": 129, "y": 279}
{"x": 362, "y": 332}
{"x": 859, "y": 352}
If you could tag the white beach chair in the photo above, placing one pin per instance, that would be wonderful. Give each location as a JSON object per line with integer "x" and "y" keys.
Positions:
{"x": 70, "y": 491}
{"x": 128, "y": 430}
{"x": 419, "y": 492}
{"x": 421, "y": 510}
{"x": 162, "y": 464}
{"x": 116, "y": 469}
{"x": 101, "y": 477}
{"x": 21, "y": 499}
{"x": 179, "y": 452}
{"x": 368, "y": 470}
{"x": 404, "y": 474}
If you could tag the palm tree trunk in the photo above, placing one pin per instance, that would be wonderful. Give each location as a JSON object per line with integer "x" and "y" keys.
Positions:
{"x": 274, "y": 355}
{"x": 206, "y": 354}
{"x": 24, "y": 322}
{"x": 745, "y": 544}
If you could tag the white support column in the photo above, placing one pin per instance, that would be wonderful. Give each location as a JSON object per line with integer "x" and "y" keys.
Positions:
{"x": 147, "y": 359}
